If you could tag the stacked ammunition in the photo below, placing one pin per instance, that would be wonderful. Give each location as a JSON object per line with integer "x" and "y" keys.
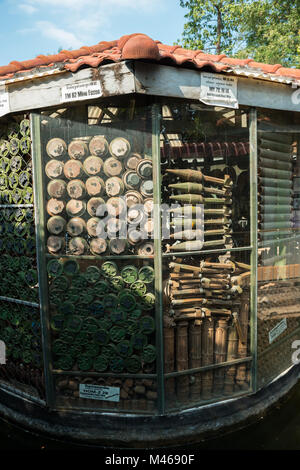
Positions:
{"x": 194, "y": 189}
{"x": 275, "y": 185}
{"x": 102, "y": 316}
{"x": 100, "y": 197}
{"x": 209, "y": 318}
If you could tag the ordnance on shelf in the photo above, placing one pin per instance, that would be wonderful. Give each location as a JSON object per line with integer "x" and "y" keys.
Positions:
{"x": 198, "y": 199}
{"x": 182, "y": 362}
{"x": 207, "y": 357}
{"x": 241, "y": 374}
{"x": 56, "y": 225}
{"x": 232, "y": 354}
{"x": 94, "y": 206}
{"x": 94, "y": 186}
{"x": 220, "y": 346}
{"x": 269, "y": 217}
{"x": 98, "y": 246}
{"x": 75, "y": 207}
{"x": 196, "y": 188}
{"x": 93, "y": 165}
{"x": 272, "y": 191}
{"x": 284, "y": 200}
{"x": 119, "y": 147}
{"x": 273, "y": 173}
{"x": 198, "y": 269}
{"x": 57, "y": 188}
{"x": 98, "y": 146}
{"x": 132, "y": 161}
{"x": 146, "y": 248}
{"x": 146, "y": 188}
{"x": 55, "y": 244}
{"x": 76, "y": 226}
{"x": 193, "y": 210}
{"x": 55, "y": 206}
{"x": 131, "y": 179}
{"x": 144, "y": 168}
{"x": 76, "y": 189}
{"x": 198, "y": 176}
{"x": 54, "y": 169}
{"x": 73, "y": 169}
{"x": 275, "y": 182}
{"x": 242, "y": 279}
{"x": 276, "y": 164}
{"x": 272, "y": 208}
{"x": 112, "y": 167}
{"x": 77, "y": 149}
{"x": 274, "y": 145}
{"x": 114, "y": 186}
{"x": 133, "y": 198}
{"x": 275, "y": 225}
{"x": 188, "y": 235}
{"x": 117, "y": 246}
{"x": 95, "y": 227}
{"x": 116, "y": 206}
{"x": 201, "y": 301}
{"x": 77, "y": 246}
{"x": 273, "y": 154}
{"x": 56, "y": 148}
{"x": 195, "y": 245}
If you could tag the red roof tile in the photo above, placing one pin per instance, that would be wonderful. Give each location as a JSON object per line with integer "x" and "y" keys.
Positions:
{"x": 140, "y": 46}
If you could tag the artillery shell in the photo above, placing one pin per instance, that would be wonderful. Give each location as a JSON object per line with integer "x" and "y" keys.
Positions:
{"x": 146, "y": 248}
{"x": 55, "y": 206}
{"x": 73, "y": 169}
{"x": 132, "y": 161}
{"x": 54, "y": 169}
{"x": 119, "y": 147}
{"x": 75, "y": 208}
{"x": 112, "y": 167}
{"x": 135, "y": 215}
{"x": 146, "y": 188}
{"x": 117, "y": 246}
{"x": 98, "y": 146}
{"x": 76, "y": 226}
{"x": 133, "y": 198}
{"x": 96, "y": 207}
{"x": 56, "y": 225}
{"x": 98, "y": 246}
{"x": 77, "y": 149}
{"x": 131, "y": 179}
{"x": 116, "y": 206}
{"x": 93, "y": 165}
{"x": 55, "y": 244}
{"x": 95, "y": 227}
{"x": 144, "y": 168}
{"x": 76, "y": 189}
{"x": 114, "y": 186}
{"x": 56, "y": 148}
{"x": 77, "y": 246}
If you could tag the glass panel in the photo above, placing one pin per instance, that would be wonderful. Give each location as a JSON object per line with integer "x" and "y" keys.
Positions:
{"x": 278, "y": 235}
{"x": 19, "y": 307}
{"x": 205, "y": 166}
{"x": 97, "y": 175}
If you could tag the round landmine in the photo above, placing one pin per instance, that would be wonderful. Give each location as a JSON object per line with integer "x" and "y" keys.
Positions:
{"x": 55, "y": 206}
{"x": 96, "y": 207}
{"x": 146, "y": 249}
{"x": 98, "y": 246}
{"x": 56, "y": 148}
{"x": 77, "y": 246}
{"x": 148, "y": 206}
{"x": 13, "y": 179}
{"x": 117, "y": 246}
{"x": 119, "y": 147}
{"x": 146, "y": 188}
{"x": 24, "y": 179}
{"x": 134, "y": 236}
{"x": 55, "y": 244}
{"x": 132, "y": 198}
{"x": 144, "y": 168}
{"x": 112, "y": 167}
{"x": 95, "y": 227}
{"x": 54, "y": 169}
{"x": 131, "y": 180}
{"x": 16, "y": 163}
{"x": 146, "y": 274}
{"x": 4, "y": 148}
{"x": 77, "y": 149}
{"x": 76, "y": 189}
{"x": 93, "y": 165}
{"x": 24, "y": 127}
{"x": 94, "y": 186}
{"x": 135, "y": 215}
{"x": 75, "y": 208}
{"x": 76, "y": 226}
{"x": 132, "y": 161}
{"x": 116, "y": 226}
{"x": 56, "y": 225}
{"x": 114, "y": 186}
{"x": 98, "y": 146}
{"x": 71, "y": 267}
{"x": 148, "y": 227}
{"x": 14, "y": 146}
{"x": 116, "y": 206}
{"x": 129, "y": 273}
{"x": 73, "y": 169}
{"x": 25, "y": 145}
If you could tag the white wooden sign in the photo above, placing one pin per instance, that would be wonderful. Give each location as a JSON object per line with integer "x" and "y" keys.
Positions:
{"x": 277, "y": 330}
{"x": 98, "y": 392}
{"x": 4, "y": 101}
{"x": 219, "y": 90}
{"x": 82, "y": 91}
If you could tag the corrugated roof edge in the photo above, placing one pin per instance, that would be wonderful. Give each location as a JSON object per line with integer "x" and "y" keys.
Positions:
{"x": 139, "y": 46}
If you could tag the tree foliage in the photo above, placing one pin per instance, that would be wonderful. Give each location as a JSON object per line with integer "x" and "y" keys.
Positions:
{"x": 265, "y": 30}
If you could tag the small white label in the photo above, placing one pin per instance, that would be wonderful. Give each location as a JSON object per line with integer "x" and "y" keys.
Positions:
{"x": 219, "y": 90}
{"x": 277, "y": 330}
{"x": 98, "y": 392}
{"x": 4, "y": 101}
{"x": 82, "y": 91}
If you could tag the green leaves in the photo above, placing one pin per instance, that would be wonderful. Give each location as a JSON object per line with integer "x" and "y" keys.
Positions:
{"x": 265, "y": 30}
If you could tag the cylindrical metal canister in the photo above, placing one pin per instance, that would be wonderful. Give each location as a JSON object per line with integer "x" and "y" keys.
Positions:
{"x": 77, "y": 246}
{"x": 55, "y": 244}
{"x": 76, "y": 189}
{"x": 135, "y": 215}
{"x": 98, "y": 146}
{"x": 96, "y": 207}
{"x": 146, "y": 188}
{"x": 146, "y": 248}
{"x": 95, "y": 227}
{"x": 98, "y": 246}
{"x": 54, "y": 169}
{"x": 73, "y": 169}
{"x": 56, "y": 225}
{"x": 77, "y": 149}
{"x": 132, "y": 198}
{"x": 94, "y": 186}
{"x": 93, "y": 165}
{"x": 117, "y": 246}
{"x": 132, "y": 161}
{"x": 144, "y": 168}
{"x": 56, "y": 148}
{"x": 112, "y": 167}
{"x": 119, "y": 147}
{"x": 116, "y": 206}
{"x": 114, "y": 186}
{"x": 55, "y": 206}
{"x": 75, "y": 208}
{"x": 131, "y": 179}
{"x": 76, "y": 226}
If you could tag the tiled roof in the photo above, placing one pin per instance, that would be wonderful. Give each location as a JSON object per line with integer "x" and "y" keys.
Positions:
{"x": 140, "y": 46}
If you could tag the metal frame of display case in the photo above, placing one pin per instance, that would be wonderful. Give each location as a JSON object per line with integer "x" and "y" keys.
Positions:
{"x": 159, "y": 256}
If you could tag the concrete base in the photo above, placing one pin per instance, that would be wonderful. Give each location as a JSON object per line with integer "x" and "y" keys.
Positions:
{"x": 112, "y": 430}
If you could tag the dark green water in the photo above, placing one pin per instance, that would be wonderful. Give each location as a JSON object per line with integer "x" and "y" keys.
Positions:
{"x": 278, "y": 430}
